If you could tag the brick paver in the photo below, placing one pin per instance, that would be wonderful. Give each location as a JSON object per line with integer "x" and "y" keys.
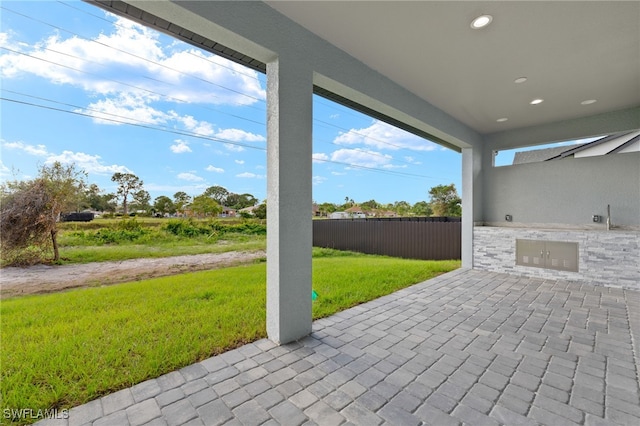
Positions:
{"x": 468, "y": 347}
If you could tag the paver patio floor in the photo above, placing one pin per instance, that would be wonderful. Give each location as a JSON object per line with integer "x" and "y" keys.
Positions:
{"x": 468, "y": 347}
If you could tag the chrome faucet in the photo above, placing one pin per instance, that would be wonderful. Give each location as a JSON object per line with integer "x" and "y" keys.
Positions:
{"x": 608, "y": 217}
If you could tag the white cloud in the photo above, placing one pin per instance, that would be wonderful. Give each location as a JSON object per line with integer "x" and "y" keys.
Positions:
{"x": 125, "y": 108}
{"x": 320, "y": 157}
{"x": 238, "y": 135}
{"x": 4, "y": 170}
{"x": 381, "y": 135}
{"x": 180, "y": 147}
{"x": 412, "y": 160}
{"x": 208, "y": 79}
{"x": 234, "y": 148}
{"x": 128, "y": 108}
{"x": 317, "y": 180}
{"x": 88, "y": 163}
{"x": 203, "y": 128}
{"x": 338, "y": 173}
{"x": 192, "y": 177}
{"x": 250, "y": 175}
{"x": 178, "y": 71}
{"x": 360, "y": 158}
{"x": 211, "y": 168}
{"x": 238, "y": 161}
{"x": 37, "y": 150}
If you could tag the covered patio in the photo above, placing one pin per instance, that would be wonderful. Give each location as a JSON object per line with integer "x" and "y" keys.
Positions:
{"x": 476, "y": 346}
{"x": 470, "y": 347}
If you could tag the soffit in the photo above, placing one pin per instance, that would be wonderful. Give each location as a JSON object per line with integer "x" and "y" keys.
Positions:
{"x": 569, "y": 51}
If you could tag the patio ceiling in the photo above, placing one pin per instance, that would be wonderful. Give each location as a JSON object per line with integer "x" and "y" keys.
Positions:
{"x": 569, "y": 52}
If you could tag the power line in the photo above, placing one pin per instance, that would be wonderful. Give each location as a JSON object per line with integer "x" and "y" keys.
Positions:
{"x": 131, "y": 54}
{"x": 362, "y": 135}
{"x": 376, "y": 154}
{"x": 177, "y": 71}
{"x": 189, "y": 52}
{"x": 140, "y": 124}
{"x": 120, "y": 82}
{"x": 178, "y": 100}
{"x": 130, "y": 122}
{"x": 391, "y": 172}
{"x": 149, "y": 125}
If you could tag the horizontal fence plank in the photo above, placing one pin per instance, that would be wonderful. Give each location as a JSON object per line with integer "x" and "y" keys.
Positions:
{"x": 411, "y": 238}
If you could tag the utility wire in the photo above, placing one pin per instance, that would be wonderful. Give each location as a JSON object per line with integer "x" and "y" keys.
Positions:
{"x": 364, "y": 151}
{"x": 175, "y": 99}
{"x": 102, "y": 18}
{"x": 121, "y": 82}
{"x": 140, "y": 124}
{"x": 390, "y": 172}
{"x": 360, "y": 134}
{"x": 131, "y": 54}
{"x": 175, "y": 70}
{"x": 119, "y": 119}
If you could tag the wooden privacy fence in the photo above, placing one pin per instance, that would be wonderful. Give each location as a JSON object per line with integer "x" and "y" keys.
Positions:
{"x": 428, "y": 238}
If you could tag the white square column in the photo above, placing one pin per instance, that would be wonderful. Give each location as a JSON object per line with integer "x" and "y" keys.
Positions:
{"x": 471, "y": 200}
{"x": 289, "y": 199}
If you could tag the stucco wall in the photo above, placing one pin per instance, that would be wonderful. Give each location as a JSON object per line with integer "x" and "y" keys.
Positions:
{"x": 564, "y": 192}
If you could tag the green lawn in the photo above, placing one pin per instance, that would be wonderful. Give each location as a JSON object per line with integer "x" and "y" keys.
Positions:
{"x": 65, "y": 349}
{"x": 114, "y": 253}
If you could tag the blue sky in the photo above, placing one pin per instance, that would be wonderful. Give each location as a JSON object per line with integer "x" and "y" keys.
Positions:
{"x": 113, "y": 96}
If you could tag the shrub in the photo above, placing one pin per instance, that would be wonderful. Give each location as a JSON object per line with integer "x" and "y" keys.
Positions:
{"x": 124, "y": 231}
{"x": 249, "y": 228}
{"x": 184, "y": 228}
{"x": 190, "y": 228}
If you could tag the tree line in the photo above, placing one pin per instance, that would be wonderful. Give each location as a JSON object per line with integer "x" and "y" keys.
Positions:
{"x": 443, "y": 201}
{"x": 133, "y": 197}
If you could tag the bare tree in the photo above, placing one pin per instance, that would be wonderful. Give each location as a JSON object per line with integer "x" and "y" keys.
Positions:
{"x": 30, "y": 210}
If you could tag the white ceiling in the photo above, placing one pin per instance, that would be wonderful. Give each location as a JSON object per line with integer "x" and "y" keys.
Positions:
{"x": 569, "y": 51}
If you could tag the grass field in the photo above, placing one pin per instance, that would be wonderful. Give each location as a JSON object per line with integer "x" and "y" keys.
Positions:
{"x": 65, "y": 349}
{"x": 103, "y": 240}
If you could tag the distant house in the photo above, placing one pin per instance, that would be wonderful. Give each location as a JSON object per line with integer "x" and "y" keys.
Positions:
{"x": 249, "y": 209}
{"x": 356, "y": 212}
{"x": 339, "y": 215}
{"x": 227, "y": 212}
{"x": 613, "y": 144}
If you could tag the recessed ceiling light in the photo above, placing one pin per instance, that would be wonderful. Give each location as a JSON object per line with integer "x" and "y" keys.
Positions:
{"x": 588, "y": 102}
{"x": 536, "y": 101}
{"x": 502, "y": 120}
{"x": 520, "y": 80}
{"x": 481, "y": 22}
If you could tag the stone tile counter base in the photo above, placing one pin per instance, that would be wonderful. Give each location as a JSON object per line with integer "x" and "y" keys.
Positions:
{"x": 605, "y": 258}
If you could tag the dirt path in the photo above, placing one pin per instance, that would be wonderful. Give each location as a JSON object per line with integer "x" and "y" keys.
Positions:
{"x": 47, "y": 279}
